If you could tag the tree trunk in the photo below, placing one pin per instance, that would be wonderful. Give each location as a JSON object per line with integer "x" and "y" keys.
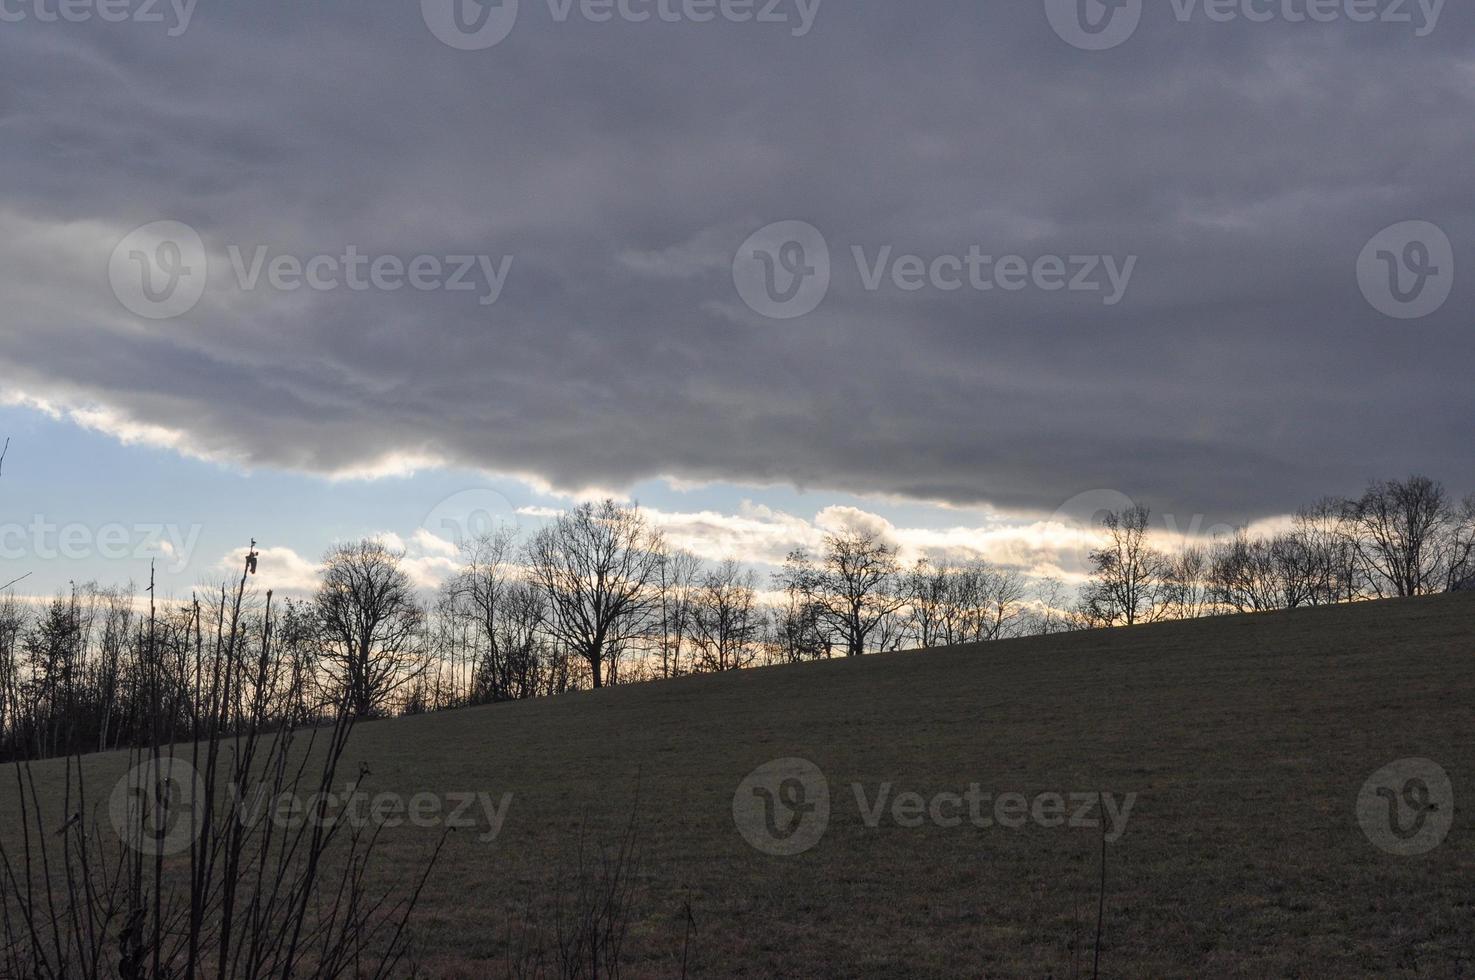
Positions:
{"x": 596, "y": 667}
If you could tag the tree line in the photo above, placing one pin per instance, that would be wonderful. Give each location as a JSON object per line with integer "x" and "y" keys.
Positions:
{"x": 597, "y": 597}
{"x": 1399, "y": 539}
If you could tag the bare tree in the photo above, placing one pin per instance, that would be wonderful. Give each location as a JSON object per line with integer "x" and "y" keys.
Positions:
{"x": 726, "y": 622}
{"x": 297, "y": 643}
{"x": 108, "y": 665}
{"x": 481, "y": 594}
{"x": 964, "y": 593}
{"x": 1462, "y": 548}
{"x": 53, "y": 655}
{"x": 1246, "y": 575}
{"x": 1296, "y": 570}
{"x": 1326, "y": 532}
{"x": 370, "y": 619}
{"x": 599, "y": 568}
{"x": 679, "y": 574}
{"x": 250, "y": 898}
{"x": 13, "y": 621}
{"x": 1402, "y": 532}
{"x": 1130, "y": 576}
{"x": 950, "y": 604}
{"x": 927, "y": 593}
{"x": 855, "y": 587}
{"x": 1051, "y": 614}
{"x": 796, "y": 631}
{"x": 509, "y": 653}
{"x": 1188, "y": 591}
{"x": 1002, "y": 610}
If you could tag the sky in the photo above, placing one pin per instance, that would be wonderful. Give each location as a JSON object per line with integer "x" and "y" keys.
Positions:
{"x": 963, "y": 272}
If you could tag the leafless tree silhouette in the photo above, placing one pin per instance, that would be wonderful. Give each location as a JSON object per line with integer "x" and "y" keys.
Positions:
{"x": 1130, "y": 576}
{"x": 370, "y": 619}
{"x": 598, "y": 566}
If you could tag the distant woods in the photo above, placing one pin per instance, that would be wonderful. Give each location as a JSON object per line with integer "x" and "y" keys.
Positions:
{"x": 1399, "y": 539}
{"x": 597, "y": 597}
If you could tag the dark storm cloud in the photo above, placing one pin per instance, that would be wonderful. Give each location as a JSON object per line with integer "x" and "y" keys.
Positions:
{"x": 621, "y": 165}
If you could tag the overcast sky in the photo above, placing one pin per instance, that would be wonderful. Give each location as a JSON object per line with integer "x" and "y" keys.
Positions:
{"x": 1186, "y": 298}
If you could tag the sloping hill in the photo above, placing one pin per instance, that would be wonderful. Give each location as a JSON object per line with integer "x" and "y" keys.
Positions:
{"x": 1245, "y": 740}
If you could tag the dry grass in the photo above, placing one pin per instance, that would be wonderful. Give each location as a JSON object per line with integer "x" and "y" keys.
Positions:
{"x": 1245, "y": 739}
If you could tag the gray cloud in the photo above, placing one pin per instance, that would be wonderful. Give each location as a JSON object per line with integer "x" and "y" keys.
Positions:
{"x": 1246, "y": 165}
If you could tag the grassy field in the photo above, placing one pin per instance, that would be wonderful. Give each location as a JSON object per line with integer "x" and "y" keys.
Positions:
{"x": 1245, "y": 740}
